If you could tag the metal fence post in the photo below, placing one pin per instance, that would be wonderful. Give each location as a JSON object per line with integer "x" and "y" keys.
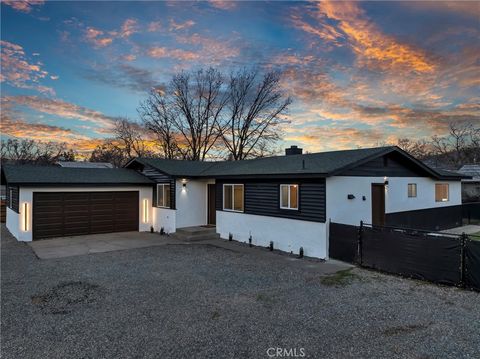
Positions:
{"x": 359, "y": 243}
{"x": 463, "y": 240}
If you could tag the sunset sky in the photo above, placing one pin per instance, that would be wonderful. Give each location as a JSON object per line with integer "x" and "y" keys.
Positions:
{"x": 359, "y": 73}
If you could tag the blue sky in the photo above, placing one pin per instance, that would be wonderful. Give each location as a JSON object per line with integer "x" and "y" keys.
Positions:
{"x": 360, "y": 73}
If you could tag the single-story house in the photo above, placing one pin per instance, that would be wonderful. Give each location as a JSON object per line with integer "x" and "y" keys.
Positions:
{"x": 470, "y": 186}
{"x": 288, "y": 200}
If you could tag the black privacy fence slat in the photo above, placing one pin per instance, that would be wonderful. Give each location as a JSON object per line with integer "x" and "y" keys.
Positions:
{"x": 436, "y": 259}
{"x": 471, "y": 212}
{"x": 431, "y": 256}
{"x": 344, "y": 247}
{"x": 472, "y": 264}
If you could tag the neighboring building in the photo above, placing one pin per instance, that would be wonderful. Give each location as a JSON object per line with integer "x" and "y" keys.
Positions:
{"x": 285, "y": 199}
{"x": 84, "y": 164}
{"x": 470, "y": 186}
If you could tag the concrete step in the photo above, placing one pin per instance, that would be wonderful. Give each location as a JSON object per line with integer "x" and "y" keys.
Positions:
{"x": 188, "y": 231}
{"x": 191, "y": 234}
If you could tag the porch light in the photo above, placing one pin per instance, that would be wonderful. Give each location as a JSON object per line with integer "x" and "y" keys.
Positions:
{"x": 385, "y": 181}
{"x": 145, "y": 210}
{"x": 25, "y": 216}
{"x": 184, "y": 184}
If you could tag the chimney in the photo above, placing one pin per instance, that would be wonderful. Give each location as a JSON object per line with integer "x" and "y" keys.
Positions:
{"x": 293, "y": 150}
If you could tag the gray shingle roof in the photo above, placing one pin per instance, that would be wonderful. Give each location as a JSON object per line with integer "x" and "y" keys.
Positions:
{"x": 38, "y": 175}
{"x": 319, "y": 164}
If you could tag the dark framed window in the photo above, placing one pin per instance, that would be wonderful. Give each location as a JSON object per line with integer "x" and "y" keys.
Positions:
{"x": 289, "y": 196}
{"x": 163, "y": 195}
{"x": 412, "y": 190}
{"x": 441, "y": 192}
{"x": 233, "y": 197}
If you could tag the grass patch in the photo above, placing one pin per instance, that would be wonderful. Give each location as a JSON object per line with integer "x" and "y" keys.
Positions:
{"x": 340, "y": 278}
{"x": 475, "y": 236}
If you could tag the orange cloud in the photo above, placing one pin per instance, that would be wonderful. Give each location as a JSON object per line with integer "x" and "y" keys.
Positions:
{"x": 95, "y": 37}
{"x": 60, "y": 108}
{"x": 163, "y": 52}
{"x": 154, "y": 26}
{"x": 17, "y": 71}
{"x": 23, "y": 5}
{"x": 128, "y": 28}
{"x": 223, "y": 4}
{"x": 174, "y": 26}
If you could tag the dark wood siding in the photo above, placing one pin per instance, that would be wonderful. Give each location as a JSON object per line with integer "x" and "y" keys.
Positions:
{"x": 58, "y": 214}
{"x": 160, "y": 177}
{"x": 263, "y": 198}
{"x": 13, "y": 197}
{"x": 391, "y": 165}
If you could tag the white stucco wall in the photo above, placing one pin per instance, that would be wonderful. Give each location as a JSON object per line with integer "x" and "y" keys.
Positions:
{"x": 26, "y": 196}
{"x": 191, "y": 203}
{"x": 287, "y": 234}
{"x": 164, "y": 217}
{"x": 343, "y": 210}
{"x": 13, "y": 224}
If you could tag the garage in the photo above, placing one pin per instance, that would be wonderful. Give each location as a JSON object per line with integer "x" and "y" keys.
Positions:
{"x": 50, "y": 201}
{"x": 59, "y": 214}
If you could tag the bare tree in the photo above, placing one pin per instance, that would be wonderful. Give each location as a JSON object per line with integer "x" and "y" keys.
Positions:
{"x": 157, "y": 116}
{"x": 459, "y": 146}
{"x": 254, "y": 113}
{"x": 109, "y": 152}
{"x": 419, "y": 149}
{"x": 131, "y": 137}
{"x": 187, "y": 116}
{"x": 24, "y": 151}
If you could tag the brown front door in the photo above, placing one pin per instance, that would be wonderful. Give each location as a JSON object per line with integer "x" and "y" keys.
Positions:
{"x": 212, "y": 214}
{"x": 378, "y": 204}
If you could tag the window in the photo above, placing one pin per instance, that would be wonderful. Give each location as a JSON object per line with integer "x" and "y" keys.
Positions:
{"x": 289, "y": 196}
{"x": 412, "y": 190}
{"x": 233, "y": 197}
{"x": 163, "y": 195}
{"x": 441, "y": 192}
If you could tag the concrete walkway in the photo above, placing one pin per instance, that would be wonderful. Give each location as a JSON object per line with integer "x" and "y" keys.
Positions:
{"x": 96, "y": 243}
{"x": 108, "y": 242}
{"x": 468, "y": 229}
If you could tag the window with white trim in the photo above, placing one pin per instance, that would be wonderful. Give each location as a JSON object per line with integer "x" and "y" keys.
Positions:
{"x": 163, "y": 195}
{"x": 289, "y": 196}
{"x": 412, "y": 190}
{"x": 233, "y": 197}
{"x": 441, "y": 192}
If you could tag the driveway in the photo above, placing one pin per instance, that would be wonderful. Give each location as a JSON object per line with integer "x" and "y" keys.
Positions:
{"x": 95, "y": 243}
{"x": 204, "y": 300}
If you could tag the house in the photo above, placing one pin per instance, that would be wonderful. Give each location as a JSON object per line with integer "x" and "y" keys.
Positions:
{"x": 288, "y": 200}
{"x": 470, "y": 186}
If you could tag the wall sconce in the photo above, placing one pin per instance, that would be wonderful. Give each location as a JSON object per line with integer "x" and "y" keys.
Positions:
{"x": 385, "y": 181}
{"x": 145, "y": 211}
{"x": 184, "y": 184}
{"x": 350, "y": 196}
{"x": 26, "y": 216}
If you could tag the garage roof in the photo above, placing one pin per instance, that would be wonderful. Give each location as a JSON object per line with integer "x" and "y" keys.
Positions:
{"x": 50, "y": 175}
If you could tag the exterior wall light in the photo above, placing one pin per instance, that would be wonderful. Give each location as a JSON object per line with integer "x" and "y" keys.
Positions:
{"x": 385, "y": 181}
{"x": 145, "y": 210}
{"x": 26, "y": 216}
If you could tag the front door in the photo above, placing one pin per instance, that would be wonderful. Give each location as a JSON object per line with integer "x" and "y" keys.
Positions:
{"x": 378, "y": 204}
{"x": 212, "y": 214}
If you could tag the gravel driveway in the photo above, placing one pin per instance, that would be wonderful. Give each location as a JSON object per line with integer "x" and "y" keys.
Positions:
{"x": 201, "y": 301}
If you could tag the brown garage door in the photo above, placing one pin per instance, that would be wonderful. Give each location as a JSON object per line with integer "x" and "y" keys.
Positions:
{"x": 58, "y": 214}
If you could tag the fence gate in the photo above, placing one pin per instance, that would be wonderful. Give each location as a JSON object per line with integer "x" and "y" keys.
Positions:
{"x": 343, "y": 242}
